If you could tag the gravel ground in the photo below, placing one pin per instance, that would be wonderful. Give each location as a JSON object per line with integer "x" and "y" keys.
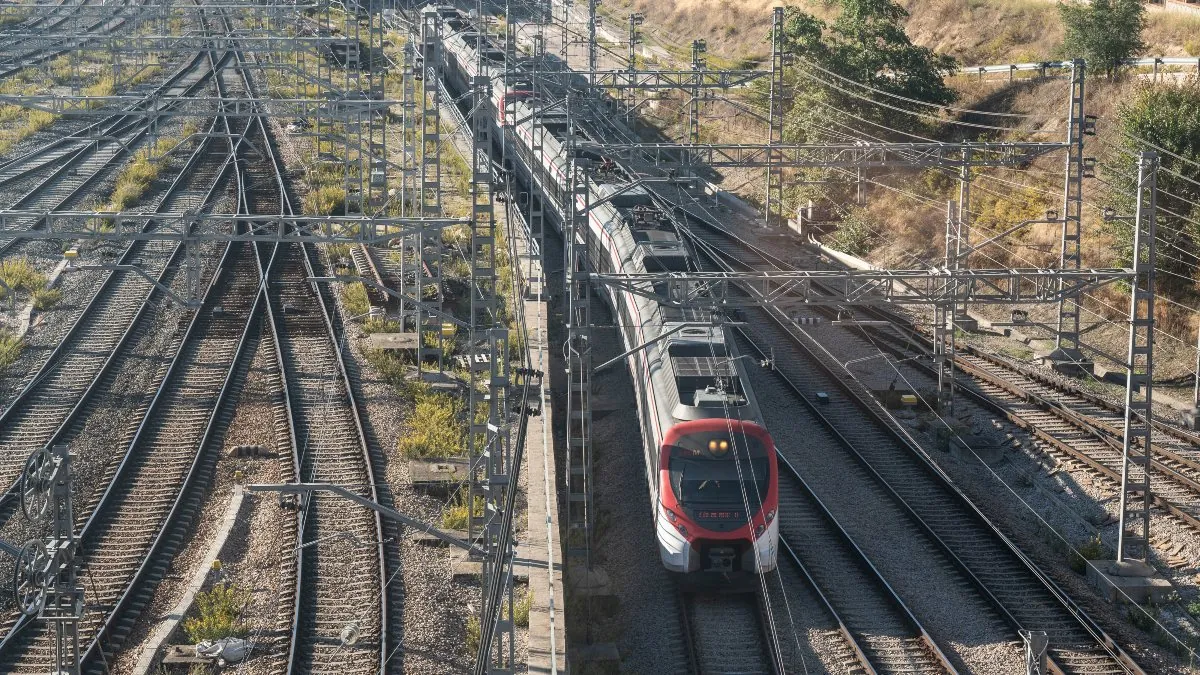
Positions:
{"x": 809, "y": 639}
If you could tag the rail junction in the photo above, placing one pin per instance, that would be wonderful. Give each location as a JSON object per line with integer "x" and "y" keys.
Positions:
{"x": 218, "y": 176}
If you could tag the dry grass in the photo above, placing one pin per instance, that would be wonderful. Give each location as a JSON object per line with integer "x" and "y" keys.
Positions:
{"x": 1172, "y": 33}
{"x": 973, "y": 31}
{"x": 134, "y": 181}
{"x": 20, "y": 274}
{"x": 10, "y": 349}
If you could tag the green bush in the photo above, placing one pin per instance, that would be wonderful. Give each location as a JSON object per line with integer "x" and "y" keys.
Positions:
{"x": 325, "y": 200}
{"x": 391, "y": 368}
{"x": 380, "y": 326}
{"x": 473, "y": 635}
{"x": 45, "y": 298}
{"x": 10, "y": 349}
{"x": 135, "y": 179}
{"x": 439, "y": 431}
{"x": 856, "y": 235}
{"x": 455, "y": 515}
{"x": 1092, "y": 549}
{"x": 1103, "y": 32}
{"x": 218, "y": 611}
{"x": 338, "y": 252}
{"x": 354, "y": 297}
{"x": 19, "y": 273}
{"x": 521, "y": 612}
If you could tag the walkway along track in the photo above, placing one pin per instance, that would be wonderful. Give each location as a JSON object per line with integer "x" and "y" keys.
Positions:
{"x": 1022, "y": 594}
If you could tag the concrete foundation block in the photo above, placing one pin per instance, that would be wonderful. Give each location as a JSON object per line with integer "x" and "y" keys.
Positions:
{"x": 1191, "y": 419}
{"x": 1069, "y": 362}
{"x": 1130, "y": 581}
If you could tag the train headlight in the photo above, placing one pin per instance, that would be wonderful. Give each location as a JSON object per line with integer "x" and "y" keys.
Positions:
{"x": 758, "y": 531}
{"x": 671, "y": 515}
{"x": 770, "y": 516}
{"x": 718, "y": 447}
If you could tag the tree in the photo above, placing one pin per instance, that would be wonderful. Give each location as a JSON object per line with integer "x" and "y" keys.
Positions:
{"x": 1165, "y": 119}
{"x": 866, "y": 44}
{"x": 1103, "y": 33}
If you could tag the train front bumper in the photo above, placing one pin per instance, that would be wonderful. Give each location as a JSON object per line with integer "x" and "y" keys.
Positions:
{"x": 679, "y": 555}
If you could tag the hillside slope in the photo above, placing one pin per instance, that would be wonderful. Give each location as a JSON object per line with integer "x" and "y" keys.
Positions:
{"x": 972, "y": 31}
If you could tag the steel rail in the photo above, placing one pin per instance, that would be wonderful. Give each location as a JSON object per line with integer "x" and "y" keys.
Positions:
{"x": 924, "y": 652}
{"x": 189, "y": 500}
{"x": 938, "y": 480}
{"x": 101, "y": 131}
{"x": 110, "y": 624}
{"x": 24, "y": 407}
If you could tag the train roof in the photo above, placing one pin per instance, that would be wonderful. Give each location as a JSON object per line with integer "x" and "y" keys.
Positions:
{"x": 706, "y": 374}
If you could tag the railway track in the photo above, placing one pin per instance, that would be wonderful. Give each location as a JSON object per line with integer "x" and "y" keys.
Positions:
{"x": 1023, "y": 595}
{"x": 727, "y": 633}
{"x": 72, "y": 182}
{"x": 108, "y": 131}
{"x": 882, "y": 630}
{"x": 57, "y": 400}
{"x": 342, "y": 593}
{"x": 341, "y": 567}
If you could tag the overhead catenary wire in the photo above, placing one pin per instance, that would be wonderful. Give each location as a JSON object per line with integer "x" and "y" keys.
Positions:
{"x": 969, "y": 111}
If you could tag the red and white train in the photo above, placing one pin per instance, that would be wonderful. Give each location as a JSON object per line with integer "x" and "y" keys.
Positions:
{"x": 710, "y": 463}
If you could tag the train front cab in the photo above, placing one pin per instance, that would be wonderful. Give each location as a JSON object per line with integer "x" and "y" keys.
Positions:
{"x": 710, "y": 471}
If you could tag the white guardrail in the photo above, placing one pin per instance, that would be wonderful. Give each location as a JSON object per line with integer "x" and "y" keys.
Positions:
{"x": 1155, "y": 62}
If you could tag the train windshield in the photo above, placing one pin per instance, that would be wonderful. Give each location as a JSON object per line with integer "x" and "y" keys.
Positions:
{"x": 711, "y": 469}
